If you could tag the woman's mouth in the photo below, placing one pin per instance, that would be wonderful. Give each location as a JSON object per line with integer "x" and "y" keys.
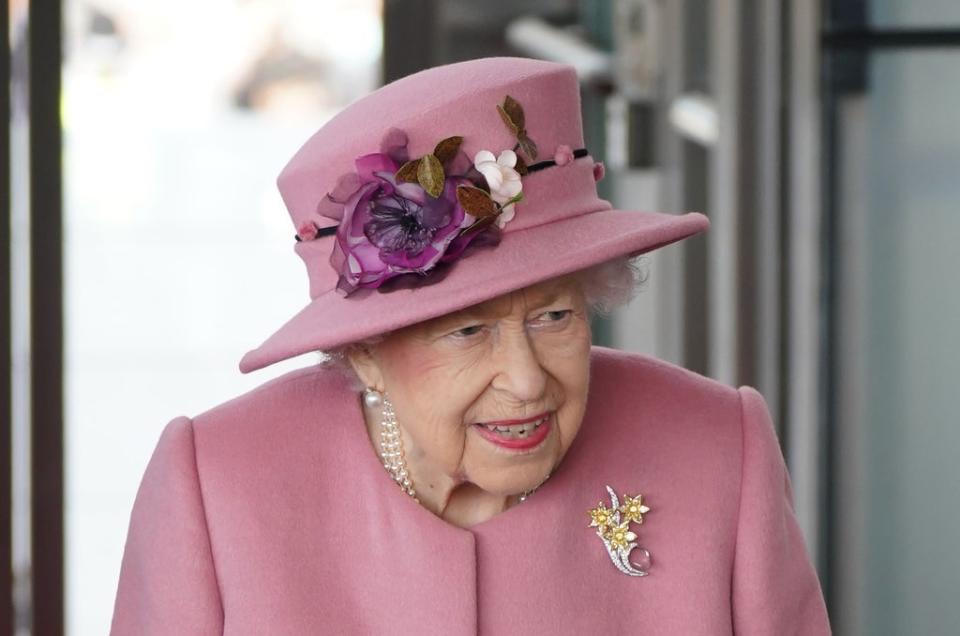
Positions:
{"x": 516, "y": 434}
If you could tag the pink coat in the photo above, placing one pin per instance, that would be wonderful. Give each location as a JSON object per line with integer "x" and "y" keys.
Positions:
{"x": 271, "y": 514}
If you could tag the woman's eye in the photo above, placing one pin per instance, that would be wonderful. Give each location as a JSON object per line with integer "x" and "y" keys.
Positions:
{"x": 466, "y": 332}
{"x": 553, "y": 317}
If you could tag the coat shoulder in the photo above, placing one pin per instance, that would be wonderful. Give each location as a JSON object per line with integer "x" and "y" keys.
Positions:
{"x": 613, "y": 370}
{"x": 261, "y": 429}
{"x": 291, "y": 396}
{"x": 642, "y": 404}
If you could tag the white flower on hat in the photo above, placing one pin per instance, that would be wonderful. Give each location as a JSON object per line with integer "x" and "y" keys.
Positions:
{"x": 503, "y": 179}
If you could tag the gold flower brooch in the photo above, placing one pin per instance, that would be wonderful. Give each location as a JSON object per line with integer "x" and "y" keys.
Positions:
{"x": 613, "y": 528}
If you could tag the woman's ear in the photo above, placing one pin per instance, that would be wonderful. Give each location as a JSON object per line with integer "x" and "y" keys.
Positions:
{"x": 365, "y": 365}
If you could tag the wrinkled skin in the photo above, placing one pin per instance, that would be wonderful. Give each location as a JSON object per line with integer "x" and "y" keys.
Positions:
{"x": 513, "y": 357}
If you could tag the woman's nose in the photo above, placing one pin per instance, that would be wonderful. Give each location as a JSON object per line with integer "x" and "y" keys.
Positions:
{"x": 520, "y": 372}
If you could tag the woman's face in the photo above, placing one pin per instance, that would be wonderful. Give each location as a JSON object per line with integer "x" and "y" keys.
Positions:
{"x": 518, "y": 363}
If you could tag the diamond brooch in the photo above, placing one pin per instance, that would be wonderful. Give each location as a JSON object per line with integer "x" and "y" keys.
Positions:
{"x": 613, "y": 528}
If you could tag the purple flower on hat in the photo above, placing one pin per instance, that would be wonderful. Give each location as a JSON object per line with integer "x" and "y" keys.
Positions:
{"x": 398, "y": 215}
{"x": 390, "y": 227}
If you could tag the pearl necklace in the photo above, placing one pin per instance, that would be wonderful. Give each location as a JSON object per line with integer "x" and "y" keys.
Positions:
{"x": 391, "y": 445}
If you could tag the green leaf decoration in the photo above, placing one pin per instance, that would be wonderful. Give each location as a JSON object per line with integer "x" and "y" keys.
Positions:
{"x": 430, "y": 175}
{"x": 447, "y": 149}
{"x": 408, "y": 172}
{"x": 518, "y": 197}
{"x": 477, "y": 202}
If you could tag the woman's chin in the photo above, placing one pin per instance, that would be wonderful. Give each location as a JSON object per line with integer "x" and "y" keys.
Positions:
{"x": 513, "y": 480}
{"x": 505, "y": 471}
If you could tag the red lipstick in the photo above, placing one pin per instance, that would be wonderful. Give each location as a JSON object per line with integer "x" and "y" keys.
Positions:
{"x": 512, "y": 422}
{"x": 533, "y": 439}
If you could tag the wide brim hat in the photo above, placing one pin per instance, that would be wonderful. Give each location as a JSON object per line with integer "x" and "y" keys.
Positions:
{"x": 530, "y": 108}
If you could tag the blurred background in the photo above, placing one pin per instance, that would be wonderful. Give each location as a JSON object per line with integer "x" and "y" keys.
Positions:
{"x": 144, "y": 247}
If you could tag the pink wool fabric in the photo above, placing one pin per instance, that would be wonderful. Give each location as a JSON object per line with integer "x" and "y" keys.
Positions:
{"x": 560, "y": 226}
{"x": 271, "y": 514}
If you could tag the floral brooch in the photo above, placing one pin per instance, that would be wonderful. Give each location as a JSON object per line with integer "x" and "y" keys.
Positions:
{"x": 613, "y": 528}
{"x": 400, "y": 215}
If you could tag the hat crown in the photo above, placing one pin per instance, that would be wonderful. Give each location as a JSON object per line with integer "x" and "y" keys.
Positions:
{"x": 559, "y": 225}
{"x": 430, "y": 105}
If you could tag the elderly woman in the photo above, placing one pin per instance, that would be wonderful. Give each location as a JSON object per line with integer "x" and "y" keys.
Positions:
{"x": 464, "y": 460}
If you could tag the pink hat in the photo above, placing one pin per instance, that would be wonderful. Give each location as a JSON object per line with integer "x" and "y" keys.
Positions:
{"x": 444, "y": 189}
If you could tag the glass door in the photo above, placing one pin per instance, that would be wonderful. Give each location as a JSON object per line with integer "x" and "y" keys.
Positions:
{"x": 178, "y": 116}
{"x": 893, "y": 357}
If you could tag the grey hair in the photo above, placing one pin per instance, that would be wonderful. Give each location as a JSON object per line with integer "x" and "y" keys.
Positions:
{"x": 612, "y": 284}
{"x": 606, "y": 287}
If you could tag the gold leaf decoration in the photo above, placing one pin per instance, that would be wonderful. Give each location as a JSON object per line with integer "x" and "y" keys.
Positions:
{"x": 512, "y": 114}
{"x": 478, "y": 225}
{"x": 514, "y": 111}
{"x": 527, "y": 145}
{"x": 408, "y": 172}
{"x": 430, "y": 175}
{"x": 506, "y": 119}
{"x": 447, "y": 148}
{"x": 477, "y": 202}
{"x": 521, "y": 166}
{"x": 481, "y": 182}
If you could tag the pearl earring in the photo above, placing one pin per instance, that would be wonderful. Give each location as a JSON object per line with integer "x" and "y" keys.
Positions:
{"x": 372, "y": 398}
{"x": 391, "y": 445}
